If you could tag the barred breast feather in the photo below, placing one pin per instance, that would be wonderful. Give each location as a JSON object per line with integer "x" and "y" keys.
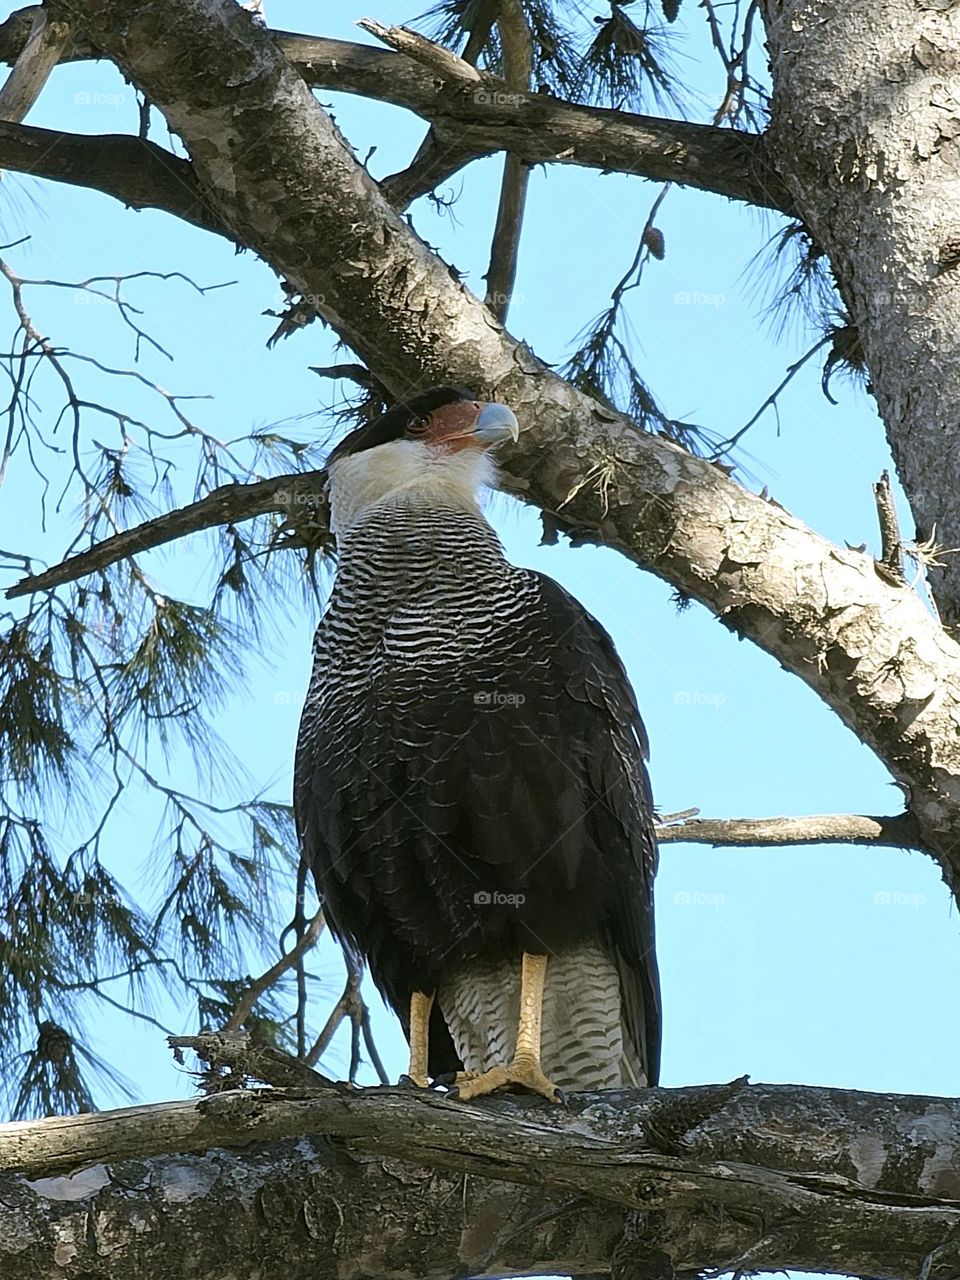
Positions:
{"x": 470, "y": 784}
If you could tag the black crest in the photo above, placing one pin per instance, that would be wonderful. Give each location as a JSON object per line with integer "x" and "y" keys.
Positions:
{"x": 394, "y": 424}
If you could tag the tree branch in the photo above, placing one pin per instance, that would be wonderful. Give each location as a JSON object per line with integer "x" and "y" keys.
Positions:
{"x": 133, "y": 170}
{"x": 473, "y": 115}
{"x": 869, "y": 648}
{"x": 812, "y": 1179}
{"x": 294, "y": 1210}
{"x": 470, "y": 123}
{"x": 898, "y": 832}
{"x": 298, "y": 495}
{"x": 38, "y": 57}
{"x": 434, "y": 160}
{"x": 232, "y": 1057}
{"x": 443, "y": 62}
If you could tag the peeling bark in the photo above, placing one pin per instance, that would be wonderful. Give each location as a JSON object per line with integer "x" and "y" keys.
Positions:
{"x": 717, "y": 1176}
{"x": 866, "y": 132}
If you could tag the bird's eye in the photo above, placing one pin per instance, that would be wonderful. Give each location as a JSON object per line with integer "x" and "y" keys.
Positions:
{"x": 418, "y": 426}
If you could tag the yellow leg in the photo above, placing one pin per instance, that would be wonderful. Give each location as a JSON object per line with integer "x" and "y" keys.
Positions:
{"x": 420, "y": 1006}
{"x": 533, "y": 977}
{"x": 525, "y": 1071}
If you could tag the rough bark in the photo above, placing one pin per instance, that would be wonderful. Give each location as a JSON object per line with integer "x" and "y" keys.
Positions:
{"x": 679, "y": 1180}
{"x": 866, "y": 131}
{"x": 295, "y": 1210}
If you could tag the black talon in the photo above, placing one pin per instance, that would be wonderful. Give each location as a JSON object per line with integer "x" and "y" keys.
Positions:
{"x": 444, "y": 1081}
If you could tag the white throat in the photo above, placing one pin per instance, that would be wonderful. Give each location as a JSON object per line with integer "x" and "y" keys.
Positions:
{"x": 406, "y": 471}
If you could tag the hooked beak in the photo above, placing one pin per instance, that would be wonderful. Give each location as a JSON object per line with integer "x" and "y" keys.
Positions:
{"x": 495, "y": 422}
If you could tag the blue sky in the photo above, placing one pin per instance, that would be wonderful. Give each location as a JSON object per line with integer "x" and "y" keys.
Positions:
{"x": 826, "y": 966}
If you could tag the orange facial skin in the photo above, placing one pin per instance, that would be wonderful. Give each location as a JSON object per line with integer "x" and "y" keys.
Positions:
{"x": 452, "y": 426}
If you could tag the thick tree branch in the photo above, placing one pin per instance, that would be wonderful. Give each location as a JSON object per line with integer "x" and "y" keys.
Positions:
{"x": 899, "y": 832}
{"x": 816, "y": 1179}
{"x": 278, "y": 174}
{"x": 138, "y": 172}
{"x": 303, "y": 1209}
{"x": 474, "y": 121}
{"x": 476, "y": 118}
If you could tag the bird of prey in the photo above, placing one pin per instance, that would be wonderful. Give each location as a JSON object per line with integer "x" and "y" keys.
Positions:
{"x": 470, "y": 787}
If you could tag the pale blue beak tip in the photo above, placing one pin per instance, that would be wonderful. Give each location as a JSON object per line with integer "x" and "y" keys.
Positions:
{"x": 496, "y": 422}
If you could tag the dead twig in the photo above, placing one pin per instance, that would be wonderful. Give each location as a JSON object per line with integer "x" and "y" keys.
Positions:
{"x": 890, "y": 564}
{"x": 244, "y": 1006}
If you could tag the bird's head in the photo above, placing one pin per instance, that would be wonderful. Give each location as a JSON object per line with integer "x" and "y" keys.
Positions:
{"x": 432, "y": 447}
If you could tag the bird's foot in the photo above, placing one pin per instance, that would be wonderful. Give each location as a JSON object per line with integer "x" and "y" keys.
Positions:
{"x": 523, "y": 1073}
{"x": 413, "y": 1080}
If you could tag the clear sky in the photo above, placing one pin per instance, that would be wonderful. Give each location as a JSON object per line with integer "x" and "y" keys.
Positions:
{"x": 826, "y": 966}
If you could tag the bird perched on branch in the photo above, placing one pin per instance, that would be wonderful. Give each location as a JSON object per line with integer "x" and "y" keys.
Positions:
{"x": 470, "y": 788}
